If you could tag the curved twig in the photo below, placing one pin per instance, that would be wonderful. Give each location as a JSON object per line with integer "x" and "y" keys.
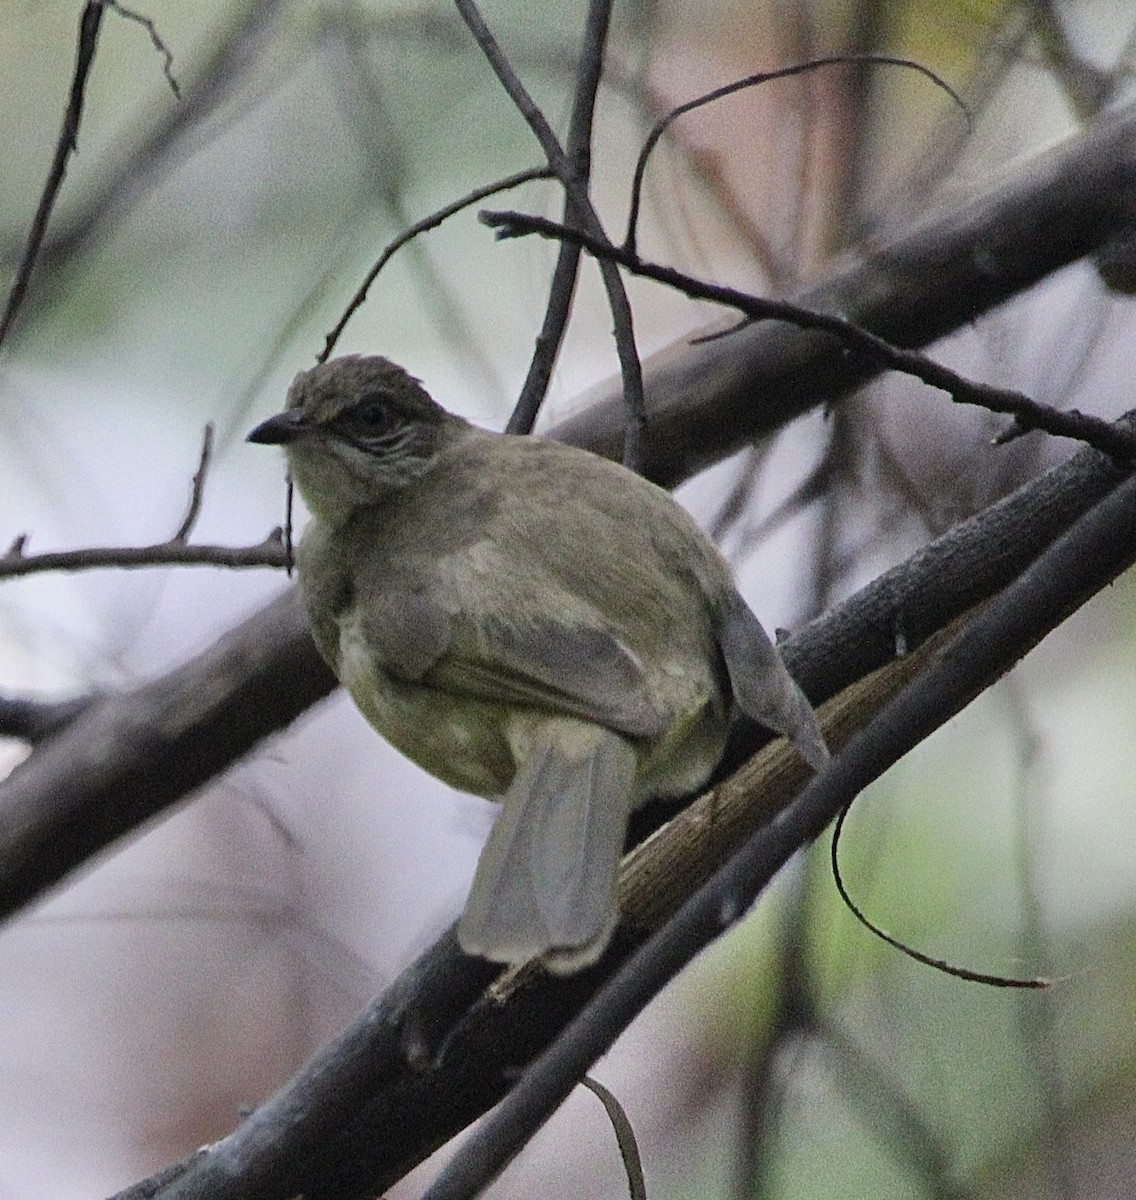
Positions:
{"x": 664, "y": 123}
{"x": 919, "y": 956}
{"x": 424, "y": 226}
{"x": 156, "y": 40}
{"x": 624, "y": 1136}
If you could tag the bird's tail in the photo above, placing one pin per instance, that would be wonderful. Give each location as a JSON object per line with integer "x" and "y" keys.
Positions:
{"x": 546, "y": 879}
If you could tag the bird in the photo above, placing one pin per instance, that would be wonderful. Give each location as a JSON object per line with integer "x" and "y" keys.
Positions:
{"x": 526, "y": 621}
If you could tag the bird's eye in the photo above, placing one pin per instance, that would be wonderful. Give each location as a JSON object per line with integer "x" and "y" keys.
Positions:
{"x": 372, "y": 415}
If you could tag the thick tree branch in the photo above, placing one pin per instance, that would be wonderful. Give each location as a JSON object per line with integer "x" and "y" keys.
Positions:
{"x": 125, "y": 758}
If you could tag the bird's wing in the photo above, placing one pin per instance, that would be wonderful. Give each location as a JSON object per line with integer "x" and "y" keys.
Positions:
{"x": 547, "y": 664}
{"x": 762, "y": 686}
{"x": 546, "y": 877}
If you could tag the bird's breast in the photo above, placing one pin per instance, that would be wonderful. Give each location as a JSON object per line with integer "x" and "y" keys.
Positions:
{"x": 461, "y": 741}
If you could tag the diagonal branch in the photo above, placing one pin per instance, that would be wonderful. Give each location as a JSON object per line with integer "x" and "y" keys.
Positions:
{"x": 1027, "y": 413}
{"x": 125, "y": 758}
{"x": 90, "y": 22}
{"x": 938, "y": 276}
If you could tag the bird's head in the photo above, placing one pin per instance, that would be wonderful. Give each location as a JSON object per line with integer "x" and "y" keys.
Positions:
{"x": 356, "y": 429}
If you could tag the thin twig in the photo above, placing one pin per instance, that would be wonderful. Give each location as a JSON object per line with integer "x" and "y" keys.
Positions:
{"x": 289, "y": 542}
{"x": 67, "y": 143}
{"x": 1070, "y": 423}
{"x": 155, "y": 38}
{"x": 663, "y": 124}
{"x": 176, "y": 551}
{"x": 928, "y": 960}
{"x": 173, "y": 553}
{"x": 624, "y": 1136}
{"x": 635, "y": 421}
{"x": 424, "y": 226}
{"x": 104, "y": 201}
{"x": 564, "y": 276}
{"x": 65, "y": 146}
{"x": 197, "y": 492}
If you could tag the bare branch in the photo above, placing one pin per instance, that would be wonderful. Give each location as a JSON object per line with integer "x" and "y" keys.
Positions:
{"x": 127, "y": 757}
{"x": 174, "y": 553}
{"x": 197, "y": 493}
{"x": 144, "y": 159}
{"x": 517, "y": 92}
{"x": 155, "y": 39}
{"x": 414, "y": 1033}
{"x": 563, "y": 285}
{"x": 635, "y": 413}
{"x": 935, "y": 277}
{"x": 89, "y": 23}
{"x": 1094, "y": 431}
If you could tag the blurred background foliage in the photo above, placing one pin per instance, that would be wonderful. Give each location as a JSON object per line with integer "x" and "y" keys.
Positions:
{"x": 202, "y": 248}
